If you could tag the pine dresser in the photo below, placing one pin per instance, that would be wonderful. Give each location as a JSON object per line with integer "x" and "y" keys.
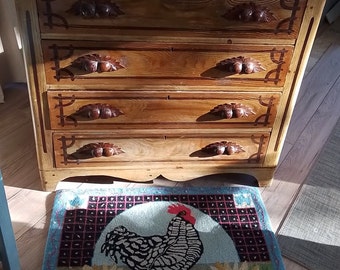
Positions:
{"x": 137, "y": 89}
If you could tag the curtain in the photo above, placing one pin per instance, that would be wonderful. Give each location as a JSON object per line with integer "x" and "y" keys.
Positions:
{"x": 1, "y": 93}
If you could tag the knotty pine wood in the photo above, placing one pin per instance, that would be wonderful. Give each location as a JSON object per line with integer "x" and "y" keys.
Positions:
{"x": 23, "y": 184}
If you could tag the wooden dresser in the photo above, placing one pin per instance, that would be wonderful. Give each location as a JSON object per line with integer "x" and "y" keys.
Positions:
{"x": 136, "y": 89}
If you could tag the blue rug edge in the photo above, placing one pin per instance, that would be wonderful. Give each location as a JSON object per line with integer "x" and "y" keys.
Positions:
{"x": 271, "y": 240}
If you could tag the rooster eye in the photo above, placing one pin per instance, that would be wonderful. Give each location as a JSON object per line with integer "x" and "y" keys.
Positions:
{"x": 182, "y": 213}
{"x": 120, "y": 229}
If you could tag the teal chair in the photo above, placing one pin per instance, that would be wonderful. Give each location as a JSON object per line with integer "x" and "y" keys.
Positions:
{"x": 8, "y": 249}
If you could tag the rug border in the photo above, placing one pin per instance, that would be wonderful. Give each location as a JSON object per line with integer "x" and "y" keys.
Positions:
{"x": 54, "y": 232}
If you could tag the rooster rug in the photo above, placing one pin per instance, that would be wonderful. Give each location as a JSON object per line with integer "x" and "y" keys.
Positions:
{"x": 159, "y": 228}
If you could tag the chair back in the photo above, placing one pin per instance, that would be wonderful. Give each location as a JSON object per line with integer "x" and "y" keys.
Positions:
{"x": 8, "y": 249}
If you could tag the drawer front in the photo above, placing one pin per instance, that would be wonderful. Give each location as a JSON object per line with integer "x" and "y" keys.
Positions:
{"x": 127, "y": 65}
{"x": 96, "y": 150}
{"x": 174, "y": 19}
{"x": 112, "y": 110}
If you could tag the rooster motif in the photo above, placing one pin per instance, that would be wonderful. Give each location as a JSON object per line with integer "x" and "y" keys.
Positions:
{"x": 179, "y": 249}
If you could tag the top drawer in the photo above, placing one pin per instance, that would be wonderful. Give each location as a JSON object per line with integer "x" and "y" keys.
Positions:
{"x": 263, "y": 21}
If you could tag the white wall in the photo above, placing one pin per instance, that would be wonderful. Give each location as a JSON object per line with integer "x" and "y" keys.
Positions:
{"x": 11, "y": 60}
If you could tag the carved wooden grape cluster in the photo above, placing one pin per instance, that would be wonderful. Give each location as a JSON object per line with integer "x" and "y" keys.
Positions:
{"x": 98, "y": 111}
{"x": 250, "y": 12}
{"x": 95, "y": 8}
{"x": 223, "y": 148}
{"x": 99, "y": 149}
{"x": 240, "y": 65}
{"x": 232, "y": 110}
{"x": 98, "y": 63}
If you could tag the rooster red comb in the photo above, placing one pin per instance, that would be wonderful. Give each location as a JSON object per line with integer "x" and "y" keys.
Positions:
{"x": 177, "y": 208}
{"x": 183, "y": 210}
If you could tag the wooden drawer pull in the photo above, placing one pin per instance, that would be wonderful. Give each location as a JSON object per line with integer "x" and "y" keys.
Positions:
{"x": 240, "y": 65}
{"x": 98, "y": 63}
{"x": 223, "y": 148}
{"x": 98, "y": 111}
{"x": 95, "y": 8}
{"x": 100, "y": 149}
{"x": 232, "y": 110}
{"x": 250, "y": 12}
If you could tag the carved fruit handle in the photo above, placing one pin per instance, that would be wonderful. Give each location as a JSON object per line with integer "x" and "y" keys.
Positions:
{"x": 98, "y": 111}
{"x": 99, "y": 149}
{"x": 232, "y": 110}
{"x": 240, "y": 65}
{"x": 95, "y": 8}
{"x": 250, "y": 12}
{"x": 223, "y": 148}
{"x": 98, "y": 63}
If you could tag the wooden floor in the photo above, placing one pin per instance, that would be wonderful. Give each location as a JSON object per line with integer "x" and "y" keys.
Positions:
{"x": 316, "y": 113}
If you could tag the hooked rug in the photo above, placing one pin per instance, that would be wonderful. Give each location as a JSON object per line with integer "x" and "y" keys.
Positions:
{"x": 161, "y": 228}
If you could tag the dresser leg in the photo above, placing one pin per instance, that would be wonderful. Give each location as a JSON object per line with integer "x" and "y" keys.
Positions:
{"x": 264, "y": 177}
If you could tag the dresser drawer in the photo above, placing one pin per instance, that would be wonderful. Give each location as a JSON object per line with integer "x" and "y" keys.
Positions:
{"x": 126, "y": 65}
{"x": 120, "y": 110}
{"x": 173, "y": 19}
{"x": 122, "y": 149}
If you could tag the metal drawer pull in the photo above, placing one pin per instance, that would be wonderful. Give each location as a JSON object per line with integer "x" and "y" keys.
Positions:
{"x": 240, "y": 65}
{"x": 93, "y": 8}
{"x": 250, "y": 12}
{"x": 232, "y": 110}
{"x": 223, "y": 148}
{"x": 99, "y": 63}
